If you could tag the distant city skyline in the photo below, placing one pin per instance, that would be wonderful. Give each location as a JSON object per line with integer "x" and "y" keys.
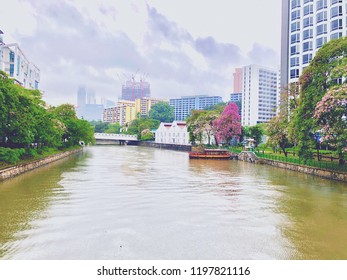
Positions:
{"x": 186, "y": 47}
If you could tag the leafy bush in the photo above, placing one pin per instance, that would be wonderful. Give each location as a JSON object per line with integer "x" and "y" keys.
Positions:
{"x": 11, "y": 155}
{"x": 31, "y": 152}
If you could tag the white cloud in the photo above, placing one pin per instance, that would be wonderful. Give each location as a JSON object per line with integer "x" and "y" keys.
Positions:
{"x": 187, "y": 47}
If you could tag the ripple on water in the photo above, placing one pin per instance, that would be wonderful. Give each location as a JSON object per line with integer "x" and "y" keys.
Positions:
{"x": 140, "y": 203}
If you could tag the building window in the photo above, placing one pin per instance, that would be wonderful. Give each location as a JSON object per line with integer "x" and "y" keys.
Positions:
{"x": 294, "y": 73}
{"x": 336, "y": 35}
{"x": 295, "y": 4}
{"x": 320, "y": 42}
{"x": 294, "y": 50}
{"x": 322, "y": 16}
{"x": 11, "y": 56}
{"x": 336, "y": 11}
{"x": 295, "y": 15}
{"x": 307, "y": 1}
{"x": 295, "y": 26}
{"x": 336, "y": 24}
{"x": 306, "y": 58}
{"x": 307, "y": 34}
{"x": 295, "y": 38}
{"x": 321, "y": 4}
{"x": 321, "y": 29}
{"x": 307, "y": 46}
{"x": 308, "y": 21}
{"x": 335, "y": 1}
{"x": 11, "y": 70}
{"x": 294, "y": 61}
{"x": 308, "y": 9}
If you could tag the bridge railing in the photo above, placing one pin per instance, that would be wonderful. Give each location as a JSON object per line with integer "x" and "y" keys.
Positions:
{"x": 114, "y": 136}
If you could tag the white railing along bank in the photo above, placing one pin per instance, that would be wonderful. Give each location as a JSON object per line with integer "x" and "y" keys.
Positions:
{"x": 113, "y": 136}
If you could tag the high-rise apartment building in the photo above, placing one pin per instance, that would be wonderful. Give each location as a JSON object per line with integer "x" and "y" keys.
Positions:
{"x": 237, "y": 99}
{"x": 183, "y": 106}
{"x": 237, "y": 80}
{"x": 133, "y": 90}
{"x": 260, "y": 94}
{"x": 14, "y": 62}
{"x": 306, "y": 26}
{"x": 123, "y": 113}
{"x": 144, "y": 105}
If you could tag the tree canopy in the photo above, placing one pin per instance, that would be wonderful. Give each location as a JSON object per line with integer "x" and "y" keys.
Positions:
{"x": 26, "y": 121}
{"x": 326, "y": 70}
{"x": 162, "y": 112}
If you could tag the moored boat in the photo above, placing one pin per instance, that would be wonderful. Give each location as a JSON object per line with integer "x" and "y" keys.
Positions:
{"x": 210, "y": 154}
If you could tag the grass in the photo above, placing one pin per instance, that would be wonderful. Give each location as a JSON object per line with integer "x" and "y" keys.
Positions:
{"x": 324, "y": 163}
{"x": 42, "y": 154}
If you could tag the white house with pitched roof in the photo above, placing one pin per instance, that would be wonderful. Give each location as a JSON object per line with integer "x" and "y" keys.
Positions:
{"x": 172, "y": 133}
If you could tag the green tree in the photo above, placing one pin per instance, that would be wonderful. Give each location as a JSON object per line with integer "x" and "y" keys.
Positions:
{"x": 162, "y": 112}
{"x": 113, "y": 128}
{"x": 200, "y": 125}
{"x": 330, "y": 114}
{"x": 137, "y": 126}
{"x": 76, "y": 130}
{"x": 257, "y": 132}
{"x": 99, "y": 126}
{"x": 322, "y": 74}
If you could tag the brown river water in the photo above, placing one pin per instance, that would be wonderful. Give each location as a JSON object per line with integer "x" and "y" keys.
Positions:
{"x": 126, "y": 202}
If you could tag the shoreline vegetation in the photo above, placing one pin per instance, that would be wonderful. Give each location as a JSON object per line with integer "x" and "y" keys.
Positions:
{"x": 42, "y": 155}
{"x": 31, "y": 130}
{"x": 12, "y": 171}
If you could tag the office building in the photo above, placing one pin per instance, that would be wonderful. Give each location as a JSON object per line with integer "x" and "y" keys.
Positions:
{"x": 81, "y": 97}
{"x": 306, "y": 26}
{"x": 183, "y": 106}
{"x": 260, "y": 94}
{"x": 14, "y": 63}
{"x": 133, "y": 90}
{"x": 87, "y": 108}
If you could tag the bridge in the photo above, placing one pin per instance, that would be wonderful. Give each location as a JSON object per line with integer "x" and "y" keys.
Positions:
{"x": 113, "y": 139}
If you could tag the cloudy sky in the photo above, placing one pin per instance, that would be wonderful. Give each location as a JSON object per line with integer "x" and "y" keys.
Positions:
{"x": 183, "y": 47}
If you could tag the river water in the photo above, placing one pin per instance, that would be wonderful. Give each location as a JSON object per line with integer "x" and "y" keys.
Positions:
{"x": 126, "y": 202}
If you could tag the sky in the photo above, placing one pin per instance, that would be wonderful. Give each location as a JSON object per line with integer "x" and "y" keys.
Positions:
{"x": 181, "y": 47}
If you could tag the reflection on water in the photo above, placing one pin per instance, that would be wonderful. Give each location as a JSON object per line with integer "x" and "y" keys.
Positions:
{"x": 116, "y": 202}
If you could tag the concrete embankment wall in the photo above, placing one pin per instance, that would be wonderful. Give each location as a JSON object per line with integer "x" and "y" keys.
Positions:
{"x": 21, "y": 168}
{"x": 185, "y": 148}
{"x": 324, "y": 173}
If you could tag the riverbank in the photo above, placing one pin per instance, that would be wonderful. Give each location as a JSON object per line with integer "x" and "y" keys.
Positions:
{"x": 183, "y": 148}
{"x": 311, "y": 170}
{"x": 323, "y": 173}
{"x": 13, "y": 171}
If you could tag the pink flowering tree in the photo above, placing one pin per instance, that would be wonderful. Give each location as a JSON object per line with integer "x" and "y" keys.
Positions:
{"x": 331, "y": 116}
{"x": 228, "y": 125}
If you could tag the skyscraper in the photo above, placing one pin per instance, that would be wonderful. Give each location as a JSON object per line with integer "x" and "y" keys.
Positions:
{"x": 81, "y": 96}
{"x": 133, "y": 90}
{"x": 306, "y": 26}
{"x": 260, "y": 88}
